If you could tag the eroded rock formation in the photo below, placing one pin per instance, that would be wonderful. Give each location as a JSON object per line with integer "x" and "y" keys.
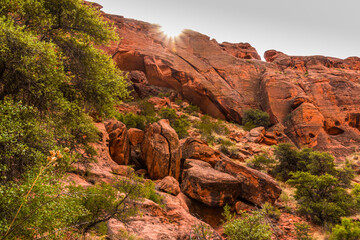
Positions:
{"x": 226, "y": 79}
{"x": 160, "y": 150}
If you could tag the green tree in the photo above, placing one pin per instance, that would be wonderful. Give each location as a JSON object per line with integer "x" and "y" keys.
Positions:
{"x": 321, "y": 198}
{"x": 48, "y": 61}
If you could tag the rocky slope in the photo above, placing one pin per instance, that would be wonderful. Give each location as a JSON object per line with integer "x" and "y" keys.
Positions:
{"x": 315, "y": 98}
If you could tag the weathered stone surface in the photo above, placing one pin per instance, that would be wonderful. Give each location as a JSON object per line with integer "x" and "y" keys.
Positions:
{"x": 169, "y": 185}
{"x": 161, "y": 151}
{"x": 205, "y": 184}
{"x": 240, "y": 50}
{"x": 160, "y": 102}
{"x": 216, "y": 78}
{"x": 194, "y": 148}
{"x": 255, "y": 186}
{"x": 136, "y": 136}
{"x": 171, "y": 223}
{"x": 119, "y": 145}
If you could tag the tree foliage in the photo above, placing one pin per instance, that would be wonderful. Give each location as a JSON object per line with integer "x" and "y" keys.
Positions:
{"x": 321, "y": 198}
{"x": 348, "y": 230}
{"x": 255, "y": 118}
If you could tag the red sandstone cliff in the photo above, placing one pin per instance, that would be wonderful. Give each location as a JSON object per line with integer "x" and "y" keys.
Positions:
{"x": 316, "y": 98}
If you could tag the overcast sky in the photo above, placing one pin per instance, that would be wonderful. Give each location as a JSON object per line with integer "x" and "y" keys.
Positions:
{"x": 301, "y": 27}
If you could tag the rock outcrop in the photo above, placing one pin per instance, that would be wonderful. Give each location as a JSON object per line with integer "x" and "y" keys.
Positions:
{"x": 226, "y": 79}
{"x": 255, "y": 186}
{"x": 160, "y": 150}
{"x": 119, "y": 145}
{"x": 207, "y": 185}
{"x": 194, "y": 148}
{"x": 169, "y": 185}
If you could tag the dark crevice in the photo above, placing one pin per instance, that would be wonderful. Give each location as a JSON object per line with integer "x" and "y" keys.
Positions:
{"x": 170, "y": 156}
{"x": 334, "y": 131}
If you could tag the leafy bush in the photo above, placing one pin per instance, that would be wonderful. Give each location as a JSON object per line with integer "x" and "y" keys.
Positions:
{"x": 207, "y": 127}
{"x": 147, "y": 109}
{"x": 308, "y": 160}
{"x": 255, "y": 118}
{"x": 180, "y": 124}
{"x": 201, "y": 232}
{"x": 321, "y": 198}
{"x": 132, "y": 120}
{"x": 348, "y": 230}
{"x": 249, "y": 226}
{"x": 260, "y": 162}
{"x": 271, "y": 211}
{"x": 192, "y": 109}
{"x": 302, "y": 231}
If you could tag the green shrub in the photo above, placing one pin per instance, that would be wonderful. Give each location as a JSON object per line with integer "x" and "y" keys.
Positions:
{"x": 193, "y": 110}
{"x": 308, "y": 160}
{"x": 255, "y": 118}
{"x": 150, "y": 193}
{"x": 260, "y": 162}
{"x": 348, "y": 230}
{"x": 321, "y": 198}
{"x": 132, "y": 120}
{"x": 302, "y": 231}
{"x": 207, "y": 127}
{"x": 201, "y": 232}
{"x": 271, "y": 211}
{"x": 249, "y": 226}
{"x": 180, "y": 124}
{"x": 147, "y": 109}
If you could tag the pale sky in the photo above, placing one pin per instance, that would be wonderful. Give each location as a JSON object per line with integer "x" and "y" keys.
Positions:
{"x": 301, "y": 27}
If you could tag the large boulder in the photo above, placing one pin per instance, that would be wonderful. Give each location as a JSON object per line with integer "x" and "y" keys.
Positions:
{"x": 194, "y": 148}
{"x": 169, "y": 185}
{"x": 119, "y": 145}
{"x": 255, "y": 186}
{"x": 207, "y": 185}
{"x": 160, "y": 150}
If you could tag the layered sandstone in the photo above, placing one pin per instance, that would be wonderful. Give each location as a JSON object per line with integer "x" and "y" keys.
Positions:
{"x": 226, "y": 79}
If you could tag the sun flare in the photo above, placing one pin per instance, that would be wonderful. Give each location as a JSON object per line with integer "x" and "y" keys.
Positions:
{"x": 171, "y": 31}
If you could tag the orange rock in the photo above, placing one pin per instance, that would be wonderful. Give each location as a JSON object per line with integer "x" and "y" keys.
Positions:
{"x": 169, "y": 185}
{"x": 255, "y": 186}
{"x": 136, "y": 136}
{"x": 160, "y": 150}
{"x": 194, "y": 148}
{"x": 207, "y": 185}
{"x": 119, "y": 145}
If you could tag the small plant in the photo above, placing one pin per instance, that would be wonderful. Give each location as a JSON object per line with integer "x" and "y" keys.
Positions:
{"x": 180, "y": 124}
{"x": 260, "y": 162}
{"x": 192, "y": 110}
{"x": 255, "y": 118}
{"x": 207, "y": 127}
{"x": 249, "y": 226}
{"x": 271, "y": 211}
{"x": 302, "y": 231}
{"x": 201, "y": 232}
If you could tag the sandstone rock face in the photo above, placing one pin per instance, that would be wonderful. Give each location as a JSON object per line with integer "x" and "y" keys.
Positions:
{"x": 174, "y": 223}
{"x": 169, "y": 185}
{"x": 136, "y": 136}
{"x": 160, "y": 150}
{"x": 255, "y": 186}
{"x": 205, "y": 184}
{"x": 194, "y": 148}
{"x": 216, "y": 78}
{"x": 240, "y": 50}
{"x": 119, "y": 145}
